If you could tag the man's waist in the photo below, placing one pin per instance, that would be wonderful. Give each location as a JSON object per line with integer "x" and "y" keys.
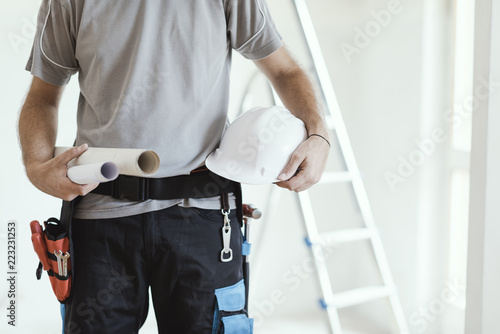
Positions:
{"x": 200, "y": 183}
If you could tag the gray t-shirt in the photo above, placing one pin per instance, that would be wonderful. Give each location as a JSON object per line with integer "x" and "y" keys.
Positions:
{"x": 153, "y": 74}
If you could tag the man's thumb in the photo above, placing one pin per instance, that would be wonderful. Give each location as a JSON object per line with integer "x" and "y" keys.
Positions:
{"x": 291, "y": 168}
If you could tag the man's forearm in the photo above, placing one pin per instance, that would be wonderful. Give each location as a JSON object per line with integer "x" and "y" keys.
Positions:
{"x": 37, "y": 136}
{"x": 38, "y": 122}
{"x": 37, "y": 130}
{"x": 298, "y": 95}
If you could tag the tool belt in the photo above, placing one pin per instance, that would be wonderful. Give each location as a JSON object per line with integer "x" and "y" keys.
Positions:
{"x": 198, "y": 184}
{"x": 51, "y": 244}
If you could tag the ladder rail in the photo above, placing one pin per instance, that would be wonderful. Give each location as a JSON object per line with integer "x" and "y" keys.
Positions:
{"x": 304, "y": 202}
{"x": 323, "y": 275}
{"x": 333, "y": 108}
{"x": 335, "y": 121}
{"x": 334, "y": 111}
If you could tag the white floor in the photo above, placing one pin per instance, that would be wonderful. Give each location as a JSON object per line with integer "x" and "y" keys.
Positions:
{"x": 299, "y": 324}
{"x": 313, "y": 323}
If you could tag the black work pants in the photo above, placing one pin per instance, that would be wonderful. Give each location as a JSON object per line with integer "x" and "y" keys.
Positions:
{"x": 175, "y": 252}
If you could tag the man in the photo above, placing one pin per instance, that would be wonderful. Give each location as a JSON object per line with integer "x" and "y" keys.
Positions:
{"x": 155, "y": 74}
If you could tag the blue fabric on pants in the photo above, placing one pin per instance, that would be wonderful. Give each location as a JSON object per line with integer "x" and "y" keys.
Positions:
{"x": 175, "y": 252}
{"x": 62, "y": 309}
{"x": 231, "y": 298}
{"x": 230, "y": 309}
{"x": 237, "y": 324}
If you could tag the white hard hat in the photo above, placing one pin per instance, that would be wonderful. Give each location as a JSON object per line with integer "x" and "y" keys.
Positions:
{"x": 257, "y": 146}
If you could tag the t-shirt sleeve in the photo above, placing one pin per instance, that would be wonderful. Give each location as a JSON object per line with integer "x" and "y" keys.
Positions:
{"x": 251, "y": 30}
{"x": 52, "y": 56}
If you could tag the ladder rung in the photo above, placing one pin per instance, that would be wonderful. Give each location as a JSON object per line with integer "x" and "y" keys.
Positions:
{"x": 335, "y": 177}
{"x": 342, "y": 236}
{"x": 361, "y": 295}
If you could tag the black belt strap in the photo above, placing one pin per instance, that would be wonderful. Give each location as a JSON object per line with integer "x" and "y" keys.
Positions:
{"x": 224, "y": 202}
{"x": 199, "y": 184}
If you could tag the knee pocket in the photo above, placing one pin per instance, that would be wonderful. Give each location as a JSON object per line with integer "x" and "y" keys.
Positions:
{"x": 230, "y": 316}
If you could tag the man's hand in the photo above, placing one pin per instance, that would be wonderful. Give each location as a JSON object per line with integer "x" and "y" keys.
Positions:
{"x": 50, "y": 177}
{"x": 297, "y": 93}
{"x": 306, "y": 165}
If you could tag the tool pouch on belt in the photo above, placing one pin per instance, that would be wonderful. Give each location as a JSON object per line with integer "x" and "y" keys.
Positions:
{"x": 52, "y": 247}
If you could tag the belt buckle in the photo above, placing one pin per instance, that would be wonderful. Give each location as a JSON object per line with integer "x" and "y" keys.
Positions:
{"x": 131, "y": 187}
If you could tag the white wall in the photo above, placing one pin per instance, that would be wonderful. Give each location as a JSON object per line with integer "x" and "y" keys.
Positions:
{"x": 19, "y": 200}
{"x": 379, "y": 91}
{"x": 484, "y": 269}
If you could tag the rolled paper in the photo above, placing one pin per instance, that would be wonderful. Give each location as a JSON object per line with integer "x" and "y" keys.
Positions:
{"x": 134, "y": 162}
{"x": 92, "y": 173}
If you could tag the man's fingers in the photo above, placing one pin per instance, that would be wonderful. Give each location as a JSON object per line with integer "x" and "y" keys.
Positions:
{"x": 80, "y": 189}
{"x": 292, "y": 167}
{"x": 72, "y": 190}
{"x": 304, "y": 186}
{"x": 72, "y": 153}
{"x": 302, "y": 180}
{"x": 86, "y": 188}
{"x": 50, "y": 177}
{"x": 295, "y": 183}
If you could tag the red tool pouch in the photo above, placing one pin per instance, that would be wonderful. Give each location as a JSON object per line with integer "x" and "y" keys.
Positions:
{"x": 52, "y": 247}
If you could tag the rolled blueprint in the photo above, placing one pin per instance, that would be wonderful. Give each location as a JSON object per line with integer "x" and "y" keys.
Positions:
{"x": 92, "y": 173}
{"x": 135, "y": 162}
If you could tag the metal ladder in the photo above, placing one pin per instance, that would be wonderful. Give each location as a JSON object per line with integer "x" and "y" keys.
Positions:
{"x": 331, "y": 301}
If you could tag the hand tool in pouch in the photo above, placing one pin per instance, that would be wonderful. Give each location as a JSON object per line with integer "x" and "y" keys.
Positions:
{"x": 249, "y": 212}
{"x": 52, "y": 247}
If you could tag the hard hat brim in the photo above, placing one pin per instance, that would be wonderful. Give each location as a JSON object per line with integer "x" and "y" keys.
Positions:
{"x": 233, "y": 174}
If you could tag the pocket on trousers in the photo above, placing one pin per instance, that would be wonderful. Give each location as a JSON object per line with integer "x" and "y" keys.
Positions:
{"x": 214, "y": 215}
{"x": 231, "y": 298}
{"x": 237, "y": 324}
{"x": 230, "y": 316}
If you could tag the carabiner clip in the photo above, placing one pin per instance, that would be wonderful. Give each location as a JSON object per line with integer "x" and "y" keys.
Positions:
{"x": 226, "y": 239}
